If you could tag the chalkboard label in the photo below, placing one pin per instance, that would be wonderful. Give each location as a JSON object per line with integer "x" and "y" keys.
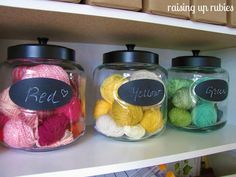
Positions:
{"x": 40, "y": 93}
{"x": 212, "y": 90}
{"x": 143, "y": 92}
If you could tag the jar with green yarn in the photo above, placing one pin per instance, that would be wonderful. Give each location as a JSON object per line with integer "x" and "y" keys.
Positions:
{"x": 197, "y": 92}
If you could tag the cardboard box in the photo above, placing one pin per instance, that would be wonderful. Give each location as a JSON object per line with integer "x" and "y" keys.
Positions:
{"x": 231, "y": 16}
{"x": 167, "y": 8}
{"x": 209, "y": 11}
{"x": 135, "y": 5}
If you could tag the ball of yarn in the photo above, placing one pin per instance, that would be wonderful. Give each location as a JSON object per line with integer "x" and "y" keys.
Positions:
{"x": 29, "y": 117}
{"x": 47, "y": 71}
{"x": 101, "y": 107}
{"x": 180, "y": 117}
{"x": 204, "y": 115}
{"x": 176, "y": 84}
{"x": 126, "y": 114}
{"x": 72, "y": 110}
{"x": 17, "y": 134}
{"x": 110, "y": 86}
{"x": 152, "y": 120}
{"x": 66, "y": 139}
{"x": 134, "y": 132}
{"x": 52, "y": 129}
{"x": 18, "y": 72}
{"x": 182, "y": 99}
{"x": 144, "y": 74}
{"x": 7, "y": 106}
{"x": 107, "y": 126}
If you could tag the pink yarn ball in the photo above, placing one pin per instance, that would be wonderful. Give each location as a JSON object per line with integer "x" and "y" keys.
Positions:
{"x": 29, "y": 117}
{"x": 18, "y": 72}
{"x": 47, "y": 71}
{"x": 17, "y": 134}
{"x": 7, "y": 107}
{"x": 52, "y": 129}
{"x": 72, "y": 110}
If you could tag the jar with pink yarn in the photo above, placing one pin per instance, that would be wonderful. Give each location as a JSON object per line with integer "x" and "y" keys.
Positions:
{"x": 42, "y": 97}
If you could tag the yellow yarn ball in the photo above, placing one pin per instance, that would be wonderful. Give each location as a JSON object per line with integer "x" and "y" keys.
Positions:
{"x": 101, "y": 108}
{"x": 152, "y": 120}
{"x": 126, "y": 114}
{"x": 109, "y": 87}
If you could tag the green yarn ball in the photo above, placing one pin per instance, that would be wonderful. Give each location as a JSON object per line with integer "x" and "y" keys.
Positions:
{"x": 204, "y": 115}
{"x": 180, "y": 117}
{"x": 176, "y": 84}
{"x": 182, "y": 99}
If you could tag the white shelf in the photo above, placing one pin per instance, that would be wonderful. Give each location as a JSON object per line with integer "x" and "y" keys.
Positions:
{"x": 28, "y": 19}
{"x": 94, "y": 154}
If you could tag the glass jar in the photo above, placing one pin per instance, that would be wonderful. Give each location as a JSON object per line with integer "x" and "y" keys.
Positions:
{"x": 131, "y": 95}
{"x": 197, "y": 93}
{"x": 41, "y": 97}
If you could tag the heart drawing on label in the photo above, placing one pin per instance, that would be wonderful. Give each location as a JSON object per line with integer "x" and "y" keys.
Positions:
{"x": 64, "y": 92}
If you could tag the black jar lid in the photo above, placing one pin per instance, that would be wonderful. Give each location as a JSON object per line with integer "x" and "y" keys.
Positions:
{"x": 39, "y": 51}
{"x": 196, "y": 61}
{"x": 131, "y": 56}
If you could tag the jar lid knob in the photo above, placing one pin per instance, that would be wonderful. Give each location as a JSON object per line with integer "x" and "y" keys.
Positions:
{"x": 42, "y": 40}
{"x": 130, "y": 47}
{"x": 195, "y": 53}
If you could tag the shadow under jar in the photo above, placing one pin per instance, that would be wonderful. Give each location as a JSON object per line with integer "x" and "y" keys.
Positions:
{"x": 131, "y": 95}
{"x": 42, "y": 103}
{"x": 197, "y": 93}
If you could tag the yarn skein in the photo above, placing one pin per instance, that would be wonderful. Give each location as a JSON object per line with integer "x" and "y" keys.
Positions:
{"x": 204, "y": 115}
{"x": 52, "y": 129}
{"x": 152, "y": 120}
{"x": 134, "y": 132}
{"x": 29, "y": 117}
{"x": 109, "y": 87}
{"x": 126, "y": 114}
{"x": 107, "y": 126}
{"x": 66, "y": 139}
{"x": 182, "y": 99}
{"x": 101, "y": 108}
{"x": 17, "y": 134}
{"x": 7, "y": 106}
{"x": 47, "y": 71}
{"x": 180, "y": 117}
{"x": 176, "y": 84}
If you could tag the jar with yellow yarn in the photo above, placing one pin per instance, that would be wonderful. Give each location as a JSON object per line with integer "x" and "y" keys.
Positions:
{"x": 131, "y": 95}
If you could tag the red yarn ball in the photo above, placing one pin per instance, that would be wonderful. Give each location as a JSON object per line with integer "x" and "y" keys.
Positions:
{"x": 52, "y": 129}
{"x": 72, "y": 109}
